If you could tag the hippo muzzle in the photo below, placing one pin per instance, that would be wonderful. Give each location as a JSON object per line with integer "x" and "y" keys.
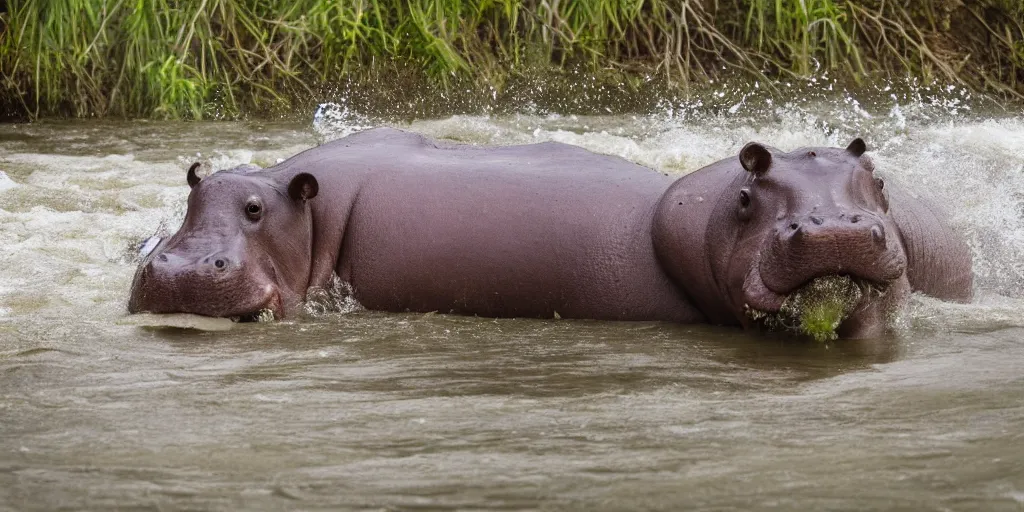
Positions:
{"x": 219, "y": 283}
{"x": 862, "y": 246}
{"x": 804, "y": 247}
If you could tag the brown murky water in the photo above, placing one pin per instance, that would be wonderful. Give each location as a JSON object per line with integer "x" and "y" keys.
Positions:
{"x": 380, "y": 411}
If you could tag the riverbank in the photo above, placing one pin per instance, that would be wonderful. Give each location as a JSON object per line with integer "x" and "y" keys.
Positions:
{"x": 224, "y": 59}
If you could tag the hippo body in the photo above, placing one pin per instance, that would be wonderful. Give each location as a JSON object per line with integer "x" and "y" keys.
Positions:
{"x": 539, "y": 231}
{"x": 520, "y": 231}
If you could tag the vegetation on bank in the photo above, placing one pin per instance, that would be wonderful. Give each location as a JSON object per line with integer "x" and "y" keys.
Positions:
{"x": 223, "y": 58}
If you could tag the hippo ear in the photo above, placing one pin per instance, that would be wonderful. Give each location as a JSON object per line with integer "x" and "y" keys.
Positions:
{"x": 303, "y": 187}
{"x": 857, "y": 147}
{"x": 192, "y": 178}
{"x": 756, "y": 158}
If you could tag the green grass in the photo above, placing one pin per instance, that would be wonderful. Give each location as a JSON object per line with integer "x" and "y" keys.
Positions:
{"x": 821, "y": 320}
{"x": 818, "y": 308}
{"x": 224, "y": 58}
{"x": 804, "y": 35}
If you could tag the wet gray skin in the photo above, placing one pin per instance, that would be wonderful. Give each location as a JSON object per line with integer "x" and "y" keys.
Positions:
{"x": 399, "y": 411}
{"x": 243, "y": 248}
{"x": 548, "y": 230}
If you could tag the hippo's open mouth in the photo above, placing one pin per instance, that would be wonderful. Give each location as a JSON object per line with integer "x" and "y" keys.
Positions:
{"x": 761, "y": 298}
{"x": 820, "y": 306}
{"x": 824, "y": 302}
{"x": 760, "y": 295}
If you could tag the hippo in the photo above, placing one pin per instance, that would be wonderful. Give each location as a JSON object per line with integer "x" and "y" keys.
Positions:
{"x": 549, "y": 230}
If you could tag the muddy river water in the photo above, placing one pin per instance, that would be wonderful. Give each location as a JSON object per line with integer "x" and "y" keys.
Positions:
{"x": 358, "y": 409}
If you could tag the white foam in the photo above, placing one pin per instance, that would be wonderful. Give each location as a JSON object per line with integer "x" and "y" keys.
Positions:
{"x": 334, "y": 120}
{"x": 71, "y": 227}
{"x": 6, "y": 183}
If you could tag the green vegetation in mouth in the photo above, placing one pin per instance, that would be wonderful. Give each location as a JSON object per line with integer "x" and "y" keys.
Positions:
{"x": 231, "y": 58}
{"x": 821, "y": 306}
{"x": 817, "y": 309}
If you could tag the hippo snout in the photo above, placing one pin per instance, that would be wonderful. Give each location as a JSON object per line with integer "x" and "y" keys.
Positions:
{"x": 218, "y": 263}
{"x": 814, "y": 245}
{"x": 847, "y": 227}
{"x": 168, "y": 265}
{"x": 217, "y": 283}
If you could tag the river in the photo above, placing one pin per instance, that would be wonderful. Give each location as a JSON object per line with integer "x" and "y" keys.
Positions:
{"x": 364, "y": 410}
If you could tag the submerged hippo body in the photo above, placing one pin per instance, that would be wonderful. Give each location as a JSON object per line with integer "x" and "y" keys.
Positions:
{"x": 530, "y": 231}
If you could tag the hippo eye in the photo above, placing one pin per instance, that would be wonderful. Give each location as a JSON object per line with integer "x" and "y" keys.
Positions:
{"x": 745, "y": 211}
{"x": 744, "y": 198}
{"x": 253, "y": 210}
{"x": 883, "y": 200}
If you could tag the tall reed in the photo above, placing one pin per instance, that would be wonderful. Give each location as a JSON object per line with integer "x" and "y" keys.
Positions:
{"x": 223, "y": 58}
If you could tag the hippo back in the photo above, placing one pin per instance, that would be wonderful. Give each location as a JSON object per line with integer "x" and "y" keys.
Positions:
{"x": 526, "y": 231}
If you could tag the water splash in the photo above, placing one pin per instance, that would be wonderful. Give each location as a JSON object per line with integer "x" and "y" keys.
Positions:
{"x": 6, "y": 183}
{"x": 988, "y": 312}
{"x": 336, "y": 120}
{"x": 337, "y": 297}
{"x": 77, "y": 199}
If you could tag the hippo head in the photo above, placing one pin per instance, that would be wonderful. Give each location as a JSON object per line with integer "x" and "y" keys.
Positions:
{"x": 785, "y": 219}
{"x": 243, "y": 248}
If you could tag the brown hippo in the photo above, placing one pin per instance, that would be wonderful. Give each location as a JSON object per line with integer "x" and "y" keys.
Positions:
{"x": 544, "y": 229}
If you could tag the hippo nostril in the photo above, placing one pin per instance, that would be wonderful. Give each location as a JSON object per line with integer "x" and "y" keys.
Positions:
{"x": 877, "y": 234}
{"x": 855, "y": 219}
{"x": 219, "y": 263}
{"x": 794, "y": 226}
{"x": 817, "y": 220}
{"x": 162, "y": 257}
